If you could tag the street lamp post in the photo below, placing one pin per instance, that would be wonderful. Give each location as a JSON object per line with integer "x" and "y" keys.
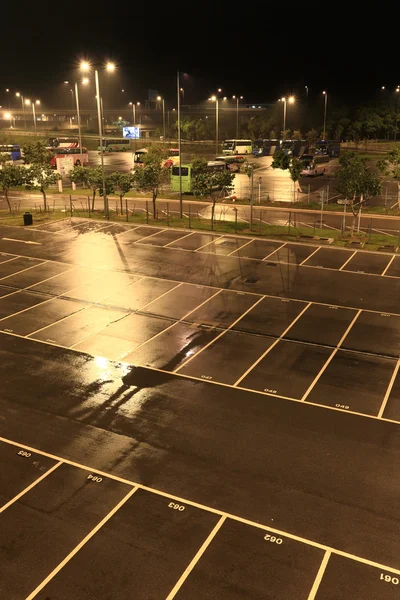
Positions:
{"x": 179, "y": 144}
{"x": 8, "y": 116}
{"x": 28, "y": 102}
{"x": 285, "y": 100}
{"x": 325, "y": 105}
{"x": 23, "y": 106}
{"x": 215, "y": 99}
{"x": 109, "y": 67}
{"x": 133, "y": 112}
{"x": 237, "y": 113}
{"x": 163, "y": 113}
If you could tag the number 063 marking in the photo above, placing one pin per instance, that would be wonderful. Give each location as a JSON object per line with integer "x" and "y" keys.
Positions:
{"x": 272, "y": 538}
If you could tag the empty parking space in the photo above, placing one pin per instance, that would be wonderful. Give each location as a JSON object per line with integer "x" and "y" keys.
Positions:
{"x": 123, "y": 336}
{"x": 74, "y": 329}
{"x": 18, "y": 301}
{"x": 288, "y": 369}
{"x": 150, "y": 541}
{"x": 377, "y": 333}
{"x": 163, "y": 237}
{"x": 33, "y": 276}
{"x": 392, "y": 408}
{"x": 40, "y": 316}
{"x": 368, "y": 262}
{"x": 18, "y": 470}
{"x": 67, "y": 281}
{"x": 352, "y": 381}
{"x": 56, "y": 225}
{"x": 194, "y": 241}
{"x": 226, "y": 358}
{"x": 394, "y": 268}
{"x": 179, "y": 301}
{"x": 139, "y": 294}
{"x": 99, "y": 288}
{"x": 134, "y": 235}
{"x": 224, "y": 245}
{"x": 346, "y": 579}
{"x": 246, "y": 562}
{"x": 17, "y": 264}
{"x": 6, "y": 257}
{"x": 329, "y": 258}
{"x": 321, "y": 324}
{"x": 172, "y": 348}
{"x": 257, "y": 249}
{"x": 292, "y": 253}
{"x": 48, "y": 522}
{"x": 271, "y": 316}
{"x": 223, "y": 309}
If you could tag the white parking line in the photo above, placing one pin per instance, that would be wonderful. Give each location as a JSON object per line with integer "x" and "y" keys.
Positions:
{"x": 32, "y": 485}
{"x": 240, "y": 247}
{"x": 272, "y": 345}
{"x": 331, "y": 356}
{"x": 388, "y": 391}
{"x": 23, "y": 270}
{"x": 348, "y": 260}
{"x": 220, "y": 335}
{"x": 81, "y": 544}
{"x": 273, "y": 252}
{"x": 195, "y": 559}
{"x": 178, "y": 240}
{"x": 388, "y": 265}
{"x": 10, "y": 259}
{"x": 319, "y": 576}
{"x": 312, "y": 254}
{"x": 198, "y": 505}
{"x": 217, "y": 237}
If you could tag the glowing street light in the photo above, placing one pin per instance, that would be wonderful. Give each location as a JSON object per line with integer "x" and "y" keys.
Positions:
{"x": 33, "y": 103}
{"x": 237, "y": 98}
{"x": 18, "y": 95}
{"x": 325, "y": 105}
{"x": 215, "y": 99}
{"x": 9, "y": 117}
{"x": 163, "y": 113}
{"x": 285, "y": 100}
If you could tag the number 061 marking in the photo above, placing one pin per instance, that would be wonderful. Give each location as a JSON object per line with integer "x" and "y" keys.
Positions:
{"x": 272, "y": 538}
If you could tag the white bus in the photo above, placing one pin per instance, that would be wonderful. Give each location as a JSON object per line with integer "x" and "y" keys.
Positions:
{"x": 230, "y": 147}
{"x": 314, "y": 164}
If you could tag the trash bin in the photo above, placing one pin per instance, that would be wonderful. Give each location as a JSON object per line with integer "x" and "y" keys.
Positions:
{"x": 28, "y": 219}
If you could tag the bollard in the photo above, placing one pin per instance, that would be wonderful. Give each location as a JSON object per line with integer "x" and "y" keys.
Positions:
{"x": 190, "y": 220}
{"x": 147, "y": 212}
{"x": 290, "y": 217}
{"x": 126, "y": 209}
{"x": 167, "y": 214}
{"x": 236, "y": 210}
{"x": 70, "y": 204}
{"x": 260, "y": 224}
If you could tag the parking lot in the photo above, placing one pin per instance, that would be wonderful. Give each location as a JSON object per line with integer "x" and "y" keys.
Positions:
{"x": 148, "y": 347}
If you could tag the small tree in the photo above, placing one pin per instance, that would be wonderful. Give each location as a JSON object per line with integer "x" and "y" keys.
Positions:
{"x": 152, "y": 175}
{"x": 356, "y": 181}
{"x": 41, "y": 177}
{"x": 37, "y": 153}
{"x": 297, "y": 134}
{"x": 90, "y": 177}
{"x": 390, "y": 165}
{"x": 295, "y": 168}
{"x": 312, "y": 137}
{"x": 121, "y": 184}
{"x": 281, "y": 160}
{"x": 210, "y": 184}
{"x": 11, "y": 176}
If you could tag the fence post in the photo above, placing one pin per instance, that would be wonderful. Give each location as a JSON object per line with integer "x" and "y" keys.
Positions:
{"x": 308, "y": 194}
{"x": 236, "y": 210}
{"x": 314, "y": 224}
{"x": 88, "y": 205}
{"x": 147, "y": 212}
{"x": 290, "y": 218}
{"x": 190, "y": 219}
{"x": 126, "y": 209}
{"x": 70, "y": 204}
{"x": 260, "y": 224}
{"x": 168, "y": 214}
{"x": 369, "y": 230}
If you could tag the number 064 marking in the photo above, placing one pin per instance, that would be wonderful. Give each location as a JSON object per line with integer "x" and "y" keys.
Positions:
{"x": 273, "y": 539}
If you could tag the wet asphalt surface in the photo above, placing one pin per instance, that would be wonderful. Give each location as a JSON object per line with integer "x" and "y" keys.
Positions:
{"x": 211, "y": 419}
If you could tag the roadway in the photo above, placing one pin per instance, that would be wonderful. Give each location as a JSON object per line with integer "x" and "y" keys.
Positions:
{"x": 195, "y": 416}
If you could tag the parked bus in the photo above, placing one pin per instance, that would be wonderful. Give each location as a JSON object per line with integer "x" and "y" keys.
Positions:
{"x": 313, "y": 164}
{"x": 138, "y": 158}
{"x": 114, "y": 144}
{"x": 63, "y": 152}
{"x": 230, "y": 147}
{"x": 265, "y": 147}
{"x": 63, "y": 142}
{"x": 232, "y": 163}
{"x": 13, "y": 150}
{"x": 329, "y": 147}
{"x": 186, "y": 171}
{"x": 294, "y": 147}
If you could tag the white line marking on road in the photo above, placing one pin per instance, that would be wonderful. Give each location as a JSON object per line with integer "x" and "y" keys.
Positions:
{"x": 240, "y": 247}
{"x": 272, "y": 345}
{"x": 178, "y": 240}
{"x": 220, "y": 335}
{"x": 273, "y": 252}
{"x": 388, "y": 391}
{"x": 216, "y": 237}
{"x": 81, "y": 544}
{"x": 388, "y": 265}
{"x": 32, "y": 485}
{"x": 312, "y": 254}
{"x": 331, "y": 356}
{"x": 10, "y": 259}
{"x": 161, "y": 296}
{"x": 195, "y": 559}
{"x": 21, "y": 241}
{"x": 147, "y": 237}
{"x": 348, "y": 260}
{"x": 319, "y": 576}
{"x": 23, "y": 270}
{"x": 198, "y": 505}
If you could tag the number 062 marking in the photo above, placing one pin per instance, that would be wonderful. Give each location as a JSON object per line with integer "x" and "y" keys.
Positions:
{"x": 272, "y": 538}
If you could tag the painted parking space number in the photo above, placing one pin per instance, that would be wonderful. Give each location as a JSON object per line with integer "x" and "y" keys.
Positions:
{"x": 176, "y": 506}
{"x": 343, "y": 406}
{"x": 94, "y": 478}
{"x": 389, "y": 579}
{"x": 273, "y": 539}
{"x": 24, "y": 453}
{"x": 270, "y": 391}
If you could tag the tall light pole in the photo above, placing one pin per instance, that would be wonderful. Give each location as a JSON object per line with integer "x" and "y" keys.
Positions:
{"x": 163, "y": 113}
{"x": 183, "y": 94}
{"x": 237, "y": 113}
{"x": 8, "y": 116}
{"x": 215, "y": 99}
{"x": 285, "y": 101}
{"x": 179, "y": 144}
{"x": 37, "y": 102}
{"x": 325, "y": 105}
{"x": 23, "y": 106}
{"x": 78, "y": 114}
{"x": 133, "y": 112}
{"x": 397, "y": 111}
{"x": 85, "y": 66}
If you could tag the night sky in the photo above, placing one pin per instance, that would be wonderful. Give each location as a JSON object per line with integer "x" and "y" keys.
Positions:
{"x": 259, "y": 50}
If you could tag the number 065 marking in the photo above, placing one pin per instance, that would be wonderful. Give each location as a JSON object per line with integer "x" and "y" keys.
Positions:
{"x": 273, "y": 539}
